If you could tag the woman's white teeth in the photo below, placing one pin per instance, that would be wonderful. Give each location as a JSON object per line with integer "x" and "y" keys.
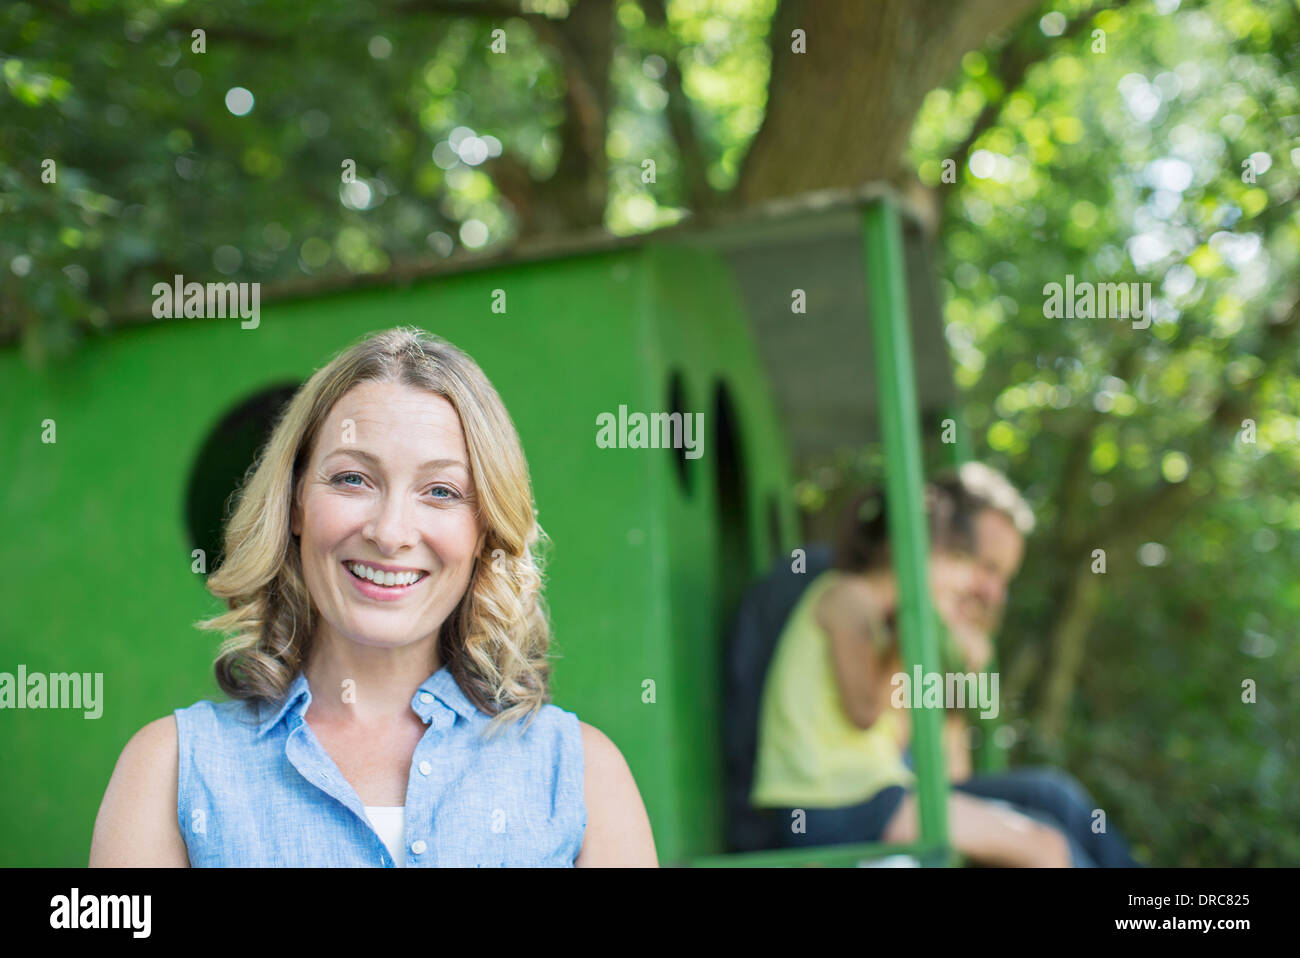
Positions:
{"x": 384, "y": 578}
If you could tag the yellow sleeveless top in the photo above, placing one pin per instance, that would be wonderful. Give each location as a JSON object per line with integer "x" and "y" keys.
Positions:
{"x": 810, "y": 755}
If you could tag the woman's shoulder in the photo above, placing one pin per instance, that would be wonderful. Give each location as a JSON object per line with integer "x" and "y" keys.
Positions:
{"x": 604, "y": 769}
{"x": 598, "y": 749}
{"x": 147, "y": 764}
{"x": 549, "y": 731}
{"x": 852, "y": 594}
{"x": 618, "y": 829}
{"x": 836, "y": 593}
{"x": 850, "y": 606}
{"x": 229, "y": 708}
{"x": 153, "y": 742}
{"x": 159, "y": 739}
{"x": 234, "y": 721}
{"x": 812, "y": 597}
{"x": 136, "y": 824}
{"x": 599, "y": 755}
{"x": 241, "y": 711}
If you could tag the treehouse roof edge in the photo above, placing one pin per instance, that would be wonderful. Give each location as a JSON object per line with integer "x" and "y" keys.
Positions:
{"x": 726, "y": 227}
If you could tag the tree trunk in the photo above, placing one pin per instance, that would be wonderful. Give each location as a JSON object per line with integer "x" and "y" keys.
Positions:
{"x": 840, "y": 114}
{"x": 1068, "y": 641}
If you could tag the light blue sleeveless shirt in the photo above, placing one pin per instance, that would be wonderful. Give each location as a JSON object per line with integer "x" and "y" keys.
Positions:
{"x": 255, "y": 788}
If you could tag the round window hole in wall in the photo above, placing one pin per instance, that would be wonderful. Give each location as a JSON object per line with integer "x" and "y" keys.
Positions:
{"x": 677, "y": 426}
{"x": 223, "y": 462}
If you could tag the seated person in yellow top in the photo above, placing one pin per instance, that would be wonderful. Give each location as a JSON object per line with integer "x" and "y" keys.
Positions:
{"x": 831, "y": 743}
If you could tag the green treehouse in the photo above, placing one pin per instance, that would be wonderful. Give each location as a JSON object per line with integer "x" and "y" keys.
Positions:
{"x": 740, "y": 350}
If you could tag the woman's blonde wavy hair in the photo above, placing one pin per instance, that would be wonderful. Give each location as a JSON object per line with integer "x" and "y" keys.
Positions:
{"x": 495, "y": 642}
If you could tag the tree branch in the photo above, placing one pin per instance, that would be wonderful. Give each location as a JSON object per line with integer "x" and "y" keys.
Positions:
{"x": 699, "y": 192}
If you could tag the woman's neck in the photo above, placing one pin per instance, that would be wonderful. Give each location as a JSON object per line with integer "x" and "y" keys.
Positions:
{"x": 366, "y": 685}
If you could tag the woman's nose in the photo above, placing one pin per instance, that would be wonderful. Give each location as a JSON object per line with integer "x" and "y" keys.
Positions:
{"x": 391, "y": 527}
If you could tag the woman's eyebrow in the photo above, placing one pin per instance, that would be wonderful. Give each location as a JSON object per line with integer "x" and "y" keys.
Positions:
{"x": 374, "y": 460}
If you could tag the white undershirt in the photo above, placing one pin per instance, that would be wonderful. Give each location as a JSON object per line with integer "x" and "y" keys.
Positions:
{"x": 390, "y": 824}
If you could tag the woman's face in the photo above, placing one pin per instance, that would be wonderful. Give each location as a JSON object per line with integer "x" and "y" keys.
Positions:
{"x": 388, "y": 484}
{"x": 953, "y": 582}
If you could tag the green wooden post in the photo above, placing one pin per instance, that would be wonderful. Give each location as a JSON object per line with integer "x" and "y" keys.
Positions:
{"x": 904, "y": 481}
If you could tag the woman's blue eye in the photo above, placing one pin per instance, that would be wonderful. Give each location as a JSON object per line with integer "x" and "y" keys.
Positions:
{"x": 451, "y": 493}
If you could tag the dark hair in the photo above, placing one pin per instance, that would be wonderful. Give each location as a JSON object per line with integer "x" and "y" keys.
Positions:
{"x": 863, "y": 542}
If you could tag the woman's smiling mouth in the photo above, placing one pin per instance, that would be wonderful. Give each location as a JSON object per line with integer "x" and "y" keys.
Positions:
{"x": 384, "y": 585}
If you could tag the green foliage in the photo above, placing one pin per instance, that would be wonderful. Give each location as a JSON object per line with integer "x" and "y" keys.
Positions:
{"x": 156, "y": 176}
{"x": 1127, "y": 166}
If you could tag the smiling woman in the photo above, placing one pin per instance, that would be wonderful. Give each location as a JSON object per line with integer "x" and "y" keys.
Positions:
{"x": 387, "y": 663}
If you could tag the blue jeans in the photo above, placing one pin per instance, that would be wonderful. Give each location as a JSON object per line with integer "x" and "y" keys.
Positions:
{"x": 1044, "y": 794}
{"x": 1054, "y": 797}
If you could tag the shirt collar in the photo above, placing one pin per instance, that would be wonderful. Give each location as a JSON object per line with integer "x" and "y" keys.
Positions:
{"x": 442, "y": 686}
{"x": 439, "y": 688}
{"x": 297, "y": 698}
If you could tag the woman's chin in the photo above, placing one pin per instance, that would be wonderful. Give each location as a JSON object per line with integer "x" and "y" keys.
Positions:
{"x": 384, "y": 638}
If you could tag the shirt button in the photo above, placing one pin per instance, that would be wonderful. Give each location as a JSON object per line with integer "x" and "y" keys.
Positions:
{"x": 425, "y": 768}
{"x": 426, "y": 698}
{"x": 418, "y": 846}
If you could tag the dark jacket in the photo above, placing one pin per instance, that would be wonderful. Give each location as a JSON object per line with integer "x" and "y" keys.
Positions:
{"x": 751, "y": 643}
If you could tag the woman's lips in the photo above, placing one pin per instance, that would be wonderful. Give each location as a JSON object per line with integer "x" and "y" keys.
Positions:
{"x": 383, "y": 593}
